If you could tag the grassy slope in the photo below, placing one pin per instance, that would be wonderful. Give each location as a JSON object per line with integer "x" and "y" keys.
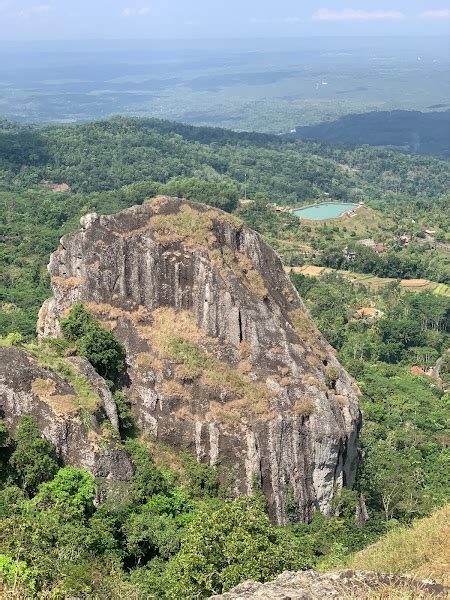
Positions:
{"x": 422, "y": 550}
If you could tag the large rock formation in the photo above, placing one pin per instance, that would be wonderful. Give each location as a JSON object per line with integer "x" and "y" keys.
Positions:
{"x": 82, "y": 426}
{"x": 308, "y": 585}
{"x": 223, "y": 359}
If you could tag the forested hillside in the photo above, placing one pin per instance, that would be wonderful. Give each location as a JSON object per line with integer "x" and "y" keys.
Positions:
{"x": 410, "y": 131}
{"x": 109, "y": 165}
{"x": 109, "y": 154}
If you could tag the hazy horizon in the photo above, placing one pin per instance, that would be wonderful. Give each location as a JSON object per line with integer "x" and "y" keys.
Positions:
{"x": 31, "y": 20}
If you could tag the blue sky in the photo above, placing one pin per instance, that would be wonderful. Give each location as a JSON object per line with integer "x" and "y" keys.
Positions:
{"x": 74, "y": 19}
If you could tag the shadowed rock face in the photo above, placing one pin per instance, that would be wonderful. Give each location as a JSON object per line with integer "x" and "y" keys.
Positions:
{"x": 78, "y": 434}
{"x": 223, "y": 359}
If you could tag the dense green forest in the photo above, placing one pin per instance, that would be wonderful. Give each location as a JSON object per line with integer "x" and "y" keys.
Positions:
{"x": 178, "y": 533}
{"x": 410, "y": 131}
{"x": 110, "y": 165}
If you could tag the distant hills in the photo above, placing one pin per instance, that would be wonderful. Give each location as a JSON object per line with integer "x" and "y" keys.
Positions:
{"x": 409, "y": 131}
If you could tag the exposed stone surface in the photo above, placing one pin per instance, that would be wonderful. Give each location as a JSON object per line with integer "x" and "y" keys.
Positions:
{"x": 224, "y": 360}
{"x": 308, "y": 585}
{"x": 83, "y": 438}
{"x": 85, "y": 368}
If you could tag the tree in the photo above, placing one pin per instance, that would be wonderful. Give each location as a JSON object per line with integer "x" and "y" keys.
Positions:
{"x": 77, "y": 323}
{"x": 71, "y": 492}
{"x": 234, "y": 543}
{"x": 5, "y": 449}
{"x": 393, "y": 477}
{"x": 33, "y": 460}
{"x": 97, "y": 344}
{"x": 147, "y": 480}
{"x": 402, "y": 331}
{"x": 149, "y": 535}
{"x": 103, "y": 351}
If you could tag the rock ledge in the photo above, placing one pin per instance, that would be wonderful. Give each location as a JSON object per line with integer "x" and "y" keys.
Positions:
{"x": 309, "y": 585}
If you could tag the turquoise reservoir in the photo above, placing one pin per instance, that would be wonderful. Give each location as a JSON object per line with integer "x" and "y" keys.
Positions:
{"x": 322, "y": 212}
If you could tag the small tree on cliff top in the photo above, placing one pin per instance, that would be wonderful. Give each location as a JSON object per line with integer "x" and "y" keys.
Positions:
{"x": 94, "y": 342}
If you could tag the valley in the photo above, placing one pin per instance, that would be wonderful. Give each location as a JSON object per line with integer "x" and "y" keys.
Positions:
{"x": 263, "y": 85}
{"x": 213, "y": 366}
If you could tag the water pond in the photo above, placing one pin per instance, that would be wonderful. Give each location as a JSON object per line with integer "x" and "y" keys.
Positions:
{"x": 322, "y": 212}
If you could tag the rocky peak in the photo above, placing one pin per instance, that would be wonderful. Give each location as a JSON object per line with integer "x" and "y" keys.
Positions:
{"x": 81, "y": 425}
{"x": 223, "y": 358}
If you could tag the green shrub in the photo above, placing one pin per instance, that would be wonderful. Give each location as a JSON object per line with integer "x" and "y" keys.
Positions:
{"x": 33, "y": 460}
{"x": 127, "y": 426}
{"x": 11, "y": 340}
{"x": 15, "y": 575}
{"x": 232, "y": 544}
{"x": 97, "y": 344}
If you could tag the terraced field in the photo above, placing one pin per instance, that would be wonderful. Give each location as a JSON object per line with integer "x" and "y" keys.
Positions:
{"x": 376, "y": 283}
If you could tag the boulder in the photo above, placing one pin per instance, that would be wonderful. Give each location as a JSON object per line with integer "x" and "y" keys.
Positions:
{"x": 77, "y": 424}
{"x": 223, "y": 358}
{"x": 309, "y": 585}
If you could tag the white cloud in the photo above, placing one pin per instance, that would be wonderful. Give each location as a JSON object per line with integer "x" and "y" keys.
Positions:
{"x": 136, "y": 12}
{"x": 34, "y": 11}
{"x": 439, "y": 13}
{"x": 350, "y": 14}
{"x": 292, "y": 20}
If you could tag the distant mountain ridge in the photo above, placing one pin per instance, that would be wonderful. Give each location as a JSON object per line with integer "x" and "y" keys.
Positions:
{"x": 411, "y": 131}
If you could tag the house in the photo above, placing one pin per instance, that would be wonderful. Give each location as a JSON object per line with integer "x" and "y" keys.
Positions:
{"x": 349, "y": 254}
{"x": 278, "y": 207}
{"x": 417, "y": 371}
{"x": 378, "y": 248}
{"x": 367, "y": 312}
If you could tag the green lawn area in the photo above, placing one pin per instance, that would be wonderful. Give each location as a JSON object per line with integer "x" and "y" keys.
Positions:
{"x": 375, "y": 283}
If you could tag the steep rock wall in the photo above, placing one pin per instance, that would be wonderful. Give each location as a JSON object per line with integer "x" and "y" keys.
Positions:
{"x": 83, "y": 437}
{"x": 223, "y": 359}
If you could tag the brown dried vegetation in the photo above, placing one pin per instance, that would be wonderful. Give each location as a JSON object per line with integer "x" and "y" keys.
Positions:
{"x": 67, "y": 283}
{"x": 244, "y": 269}
{"x": 175, "y": 336}
{"x": 303, "y": 407}
{"x": 45, "y": 390}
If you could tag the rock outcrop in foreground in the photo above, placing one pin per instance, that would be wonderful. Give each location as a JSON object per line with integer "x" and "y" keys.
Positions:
{"x": 308, "y": 585}
{"x": 82, "y": 426}
{"x": 223, "y": 359}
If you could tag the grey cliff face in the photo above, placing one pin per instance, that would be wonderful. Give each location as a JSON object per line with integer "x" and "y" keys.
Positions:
{"x": 223, "y": 359}
{"x": 82, "y": 438}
